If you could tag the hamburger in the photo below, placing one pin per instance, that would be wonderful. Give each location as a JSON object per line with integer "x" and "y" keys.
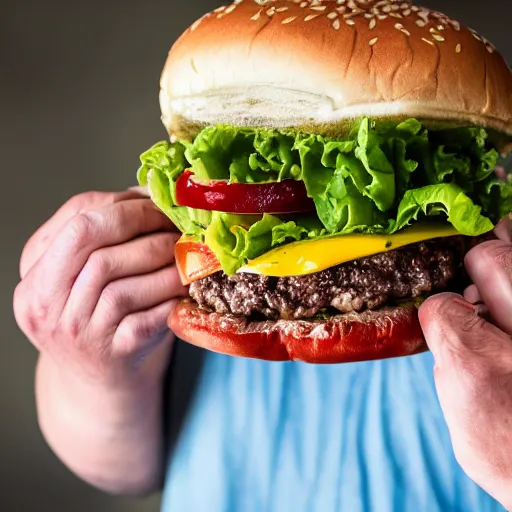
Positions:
{"x": 329, "y": 164}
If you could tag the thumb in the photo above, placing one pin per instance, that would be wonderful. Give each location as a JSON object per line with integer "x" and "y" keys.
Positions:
{"x": 458, "y": 333}
{"x": 473, "y": 377}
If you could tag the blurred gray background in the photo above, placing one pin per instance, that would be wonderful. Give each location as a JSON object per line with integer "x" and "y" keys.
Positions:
{"x": 78, "y": 104}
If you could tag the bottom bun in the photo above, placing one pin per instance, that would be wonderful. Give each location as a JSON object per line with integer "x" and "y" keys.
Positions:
{"x": 371, "y": 335}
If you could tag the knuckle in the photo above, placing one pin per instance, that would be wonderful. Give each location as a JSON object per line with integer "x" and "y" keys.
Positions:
{"x": 72, "y": 326}
{"x": 20, "y": 306}
{"x": 31, "y": 311}
{"x": 81, "y": 229}
{"x": 99, "y": 265}
{"x": 136, "y": 333}
{"x": 113, "y": 299}
{"x": 110, "y": 297}
{"x": 487, "y": 256}
{"x": 135, "y": 329}
{"x": 471, "y": 324}
{"x": 130, "y": 335}
{"x": 432, "y": 309}
{"x": 86, "y": 200}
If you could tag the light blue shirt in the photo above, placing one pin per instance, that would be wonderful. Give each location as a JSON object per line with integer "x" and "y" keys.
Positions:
{"x": 274, "y": 437}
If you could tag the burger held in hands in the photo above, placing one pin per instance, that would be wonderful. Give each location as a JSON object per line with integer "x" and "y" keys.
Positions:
{"x": 330, "y": 163}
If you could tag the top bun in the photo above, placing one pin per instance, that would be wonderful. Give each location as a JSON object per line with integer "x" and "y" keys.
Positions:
{"x": 322, "y": 63}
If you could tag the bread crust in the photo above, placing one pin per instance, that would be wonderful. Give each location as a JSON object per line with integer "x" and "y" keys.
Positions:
{"x": 319, "y": 63}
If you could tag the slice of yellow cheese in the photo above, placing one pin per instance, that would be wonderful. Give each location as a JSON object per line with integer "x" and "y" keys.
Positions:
{"x": 308, "y": 257}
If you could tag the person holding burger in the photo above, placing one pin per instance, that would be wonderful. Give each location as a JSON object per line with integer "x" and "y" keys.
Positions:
{"x": 326, "y": 210}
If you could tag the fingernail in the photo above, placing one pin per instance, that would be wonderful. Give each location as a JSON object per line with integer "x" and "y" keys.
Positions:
{"x": 467, "y": 305}
{"x": 479, "y": 308}
{"x": 472, "y": 295}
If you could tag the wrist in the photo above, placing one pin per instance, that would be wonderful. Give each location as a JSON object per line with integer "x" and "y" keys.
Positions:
{"x": 75, "y": 392}
{"x": 98, "y": 430}
{"x": 121, "y": 375}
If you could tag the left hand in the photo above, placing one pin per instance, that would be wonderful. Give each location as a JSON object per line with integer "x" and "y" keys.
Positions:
{"x": 471, "y": 340}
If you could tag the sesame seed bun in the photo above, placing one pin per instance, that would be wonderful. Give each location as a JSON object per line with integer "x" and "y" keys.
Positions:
{"x": 319, "y": 64}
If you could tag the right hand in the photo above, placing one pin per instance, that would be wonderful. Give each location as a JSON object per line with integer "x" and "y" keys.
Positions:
{"x": 97, "y": 285}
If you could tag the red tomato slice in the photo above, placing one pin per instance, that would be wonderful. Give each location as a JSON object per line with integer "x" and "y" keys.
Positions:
{"x": 194, "y": 260}
{"x": 288, "y": 196}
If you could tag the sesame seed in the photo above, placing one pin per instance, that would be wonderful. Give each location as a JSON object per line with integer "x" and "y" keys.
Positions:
{"x": 289, "y": 20}
{"x": 432, "y": 30}
{"x": 372, "y": 24}
{"x": 349, "y": 22}
{"x": 230, "y": 9}
{"x": 456, "y": 25}
{"x": 395, "y": 7}
{"x": 458, "y": 48}
{"x": 336, "y": 24}
{"x": 405, "y": 31}
{"x": 271, "y": 11}
{"x": 386, "y": 8}
{"x": 220, "y": 9}
{"x": 373, "y": 41}
{"x": 368, "y": 15}
{"x": 311, "y": 17}
{"x": 405, "y": 5}
{"x": 332, "y": 15}
{"x": 407, "y": 12}
{"x": 319, "y": 8}
{"x": 414, "y": 8}
{"x": 421, "y": 23}
{"x": 440, "y": 27}
{"x": 341, "y": 10}
{"x": 256, "y": 17}
{"x": 304, "y": 4}
{"x": 427, "y": 41}
{"x": 490, "y": 49}
{"x": 437, "y": 37}
{"x": 382, "y": 17}
{"x": 476, "y": 36}
{"x": 395, "y": 14}
{"x": 399, "y": 26}
{"x": 282, "y": 9}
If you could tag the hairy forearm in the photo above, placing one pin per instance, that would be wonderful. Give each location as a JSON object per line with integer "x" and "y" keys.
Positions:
{"x": 111, "y": 438}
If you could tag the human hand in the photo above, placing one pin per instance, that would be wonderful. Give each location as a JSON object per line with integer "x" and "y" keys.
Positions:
{"x": 470, "y": 338}
{"x": 97, "y": 285}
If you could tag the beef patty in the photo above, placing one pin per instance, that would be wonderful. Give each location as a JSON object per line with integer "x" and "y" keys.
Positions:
{"x": 367, "y": 283}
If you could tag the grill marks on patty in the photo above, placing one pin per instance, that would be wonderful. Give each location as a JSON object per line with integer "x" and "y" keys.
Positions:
{"x": 367, "y": 283}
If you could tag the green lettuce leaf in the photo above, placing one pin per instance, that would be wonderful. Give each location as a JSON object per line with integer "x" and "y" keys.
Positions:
{"x": 378, "y": 179}
{"x": 161, "y": 166}
{"x": 448, "y": 199}
{"x": 381, "y": 190}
